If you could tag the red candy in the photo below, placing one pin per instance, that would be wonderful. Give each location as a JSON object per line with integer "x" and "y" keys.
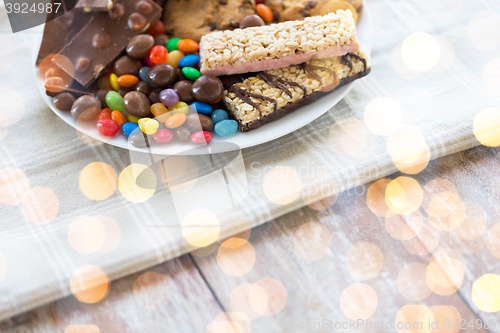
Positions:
{"x": 157, "y": 28}
{"x": 107, "y": 127}
{"x": 201, "y": 137}
{"x": 158, "y": 54}
{"x": 163, "y": 136}
{"x": 104, "y": 114}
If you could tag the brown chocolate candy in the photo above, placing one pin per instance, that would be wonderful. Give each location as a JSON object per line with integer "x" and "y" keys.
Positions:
{"x": 198, "y": 122}
{"x": 251, "y": 21}
{"x": 137, "y": 104}
{"x": 101, "y": 40}
{"x": 124, "y": 90}
{"x": 117, "y": 11}
{"x": 180, "y": 75}
{"x": 182, "y": 134}
{"x": 161, "y": 39}
{"x": 86, "y": 108}
{"x": 138, "y": 140}
{"x": 183, "y": 89}
{"x": 64, "y": 101}
{"x": 143, "y": 7}
{"x": 83, "y": 64}
{"x": 139, "y": 46}
{"x": 101, "y": 96}
{"x": 127, "y": 65}
{"x": 136, "y": 21}
{"x": 162, "y": 75}
{"x": 143, "y": 87}
{"x": 208, "y": 89}
{"x": 154, "y": 96}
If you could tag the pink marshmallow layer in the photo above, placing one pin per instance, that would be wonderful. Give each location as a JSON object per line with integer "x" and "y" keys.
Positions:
{"x": 267, "y": 64}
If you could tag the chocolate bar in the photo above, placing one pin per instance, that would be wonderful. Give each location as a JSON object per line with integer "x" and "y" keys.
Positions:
{"x": 279, "y": 45}
{"x": 104, "y": 38}
{"x": 95, "y": 5}
{"x": 261, "y": 98}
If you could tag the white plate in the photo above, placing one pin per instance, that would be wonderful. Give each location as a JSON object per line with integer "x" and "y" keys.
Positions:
{"x": 240, "y": 140}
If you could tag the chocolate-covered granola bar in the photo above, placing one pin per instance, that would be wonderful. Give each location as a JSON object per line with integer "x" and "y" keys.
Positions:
{"x": 261, "y": 98}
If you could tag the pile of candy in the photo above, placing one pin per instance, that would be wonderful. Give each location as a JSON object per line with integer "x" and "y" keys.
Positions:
{"x": 155, "y": 93}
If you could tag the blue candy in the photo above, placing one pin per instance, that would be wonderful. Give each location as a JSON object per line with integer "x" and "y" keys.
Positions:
{"x": 219, "y": 115}
{"x": 189, "y": 61}
{"x": 226, "y": 127}
{"x": 202, "y": 108}
{"x": 129, "y": 128}
{"x": 144, "y": 75}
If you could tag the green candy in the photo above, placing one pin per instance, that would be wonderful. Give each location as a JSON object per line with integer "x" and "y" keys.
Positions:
{"x": 191, "y": 73}
{"x": 172, "y": 44}
{"x": 115, "y": 101}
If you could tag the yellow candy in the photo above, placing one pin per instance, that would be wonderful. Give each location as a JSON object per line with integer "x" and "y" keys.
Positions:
{"x": 113, "y": 80}
{"x": 132, "y": 119}
{"x": 180, "y": 107}
{"x": 148, "y": 125}
{"x": 174, "y": 57}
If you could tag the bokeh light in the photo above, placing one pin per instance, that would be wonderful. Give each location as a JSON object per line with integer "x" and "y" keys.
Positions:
{"x": 413, "y": 318}
{"x": 276, "y": 295}
{"x": 425, "y": 242}
{"x": 448, "y": 252}
{"x": 351, "y": 137}
{"x": 152, "y": 290}
{"x": 312, "y": 241}
{"x": 383, "y": 116}
{"x": 403, "y": 195}
{"x": 12, "y": 107}
{"x": 205, "y": 251}
{"x": 231, "y": 218}
{"x": 446, "y": 55}
{"x": 236, "y": 257}
{"x": 13, "y": 186}
{"x": 200, "y": 227}
{"x": 494, "y": 240}
{"x": 491, "y": 76}
{"x": 90, "y": 284}
{"x": 130, "y": 189}
{"x": 358, "y": 301}
{"x": 82, "y": 329}
{"x": 403, "y": 227}
{"x": 445, "y": 275}
{"x": 468, "y": 246}
{"x": 3, "y": 267}
{"x": 228, "y": 322}
{"x": 408, "y": 149}
{"x": 319, "y": 191}
{"x": 411, "y": 282}
{"x": 399, "y": 66}
{"x": 446, "y": 211}
{"x": 444, "y": 314}
{"x": 40, "y": 205}
{"x": 487, "y": 127}
{"x": 180, "y": 173}
{"x": 375, "y": 197}
{"x": 435, "y": 187}
{"x": 90, "y": 234}
{"x": 486, "y": 293}
{"x": 282, "y": 185}
{"x": 364, "y": 260}
{"x": 98, "y": 181}
{"x": 474, "y": 223}
{"x": 248, "y": 301}
{"x": 420, "y": 51}
{"x": 482, "y": 30}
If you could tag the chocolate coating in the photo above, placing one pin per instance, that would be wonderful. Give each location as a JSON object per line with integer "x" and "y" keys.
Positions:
{"x": 137, "y": 104}
{"x": 162, "y": 75}
{"x": 82, "y": 64}
{"x": 161, "y": 39}
{"x": 124, "y": 90}
{"x": 208, "y": 89}
{"x": 180, "y": 76}
{"x": 127, "y": 65}
{"x": 86, "y": 108}
{"x": 101, "y": 40}
{"x": 182, "y": 134}
{"x": 198, "y": 122}
{"x": 64, "y": 101}
{"x": 138, "y": 140}
{"x": 136, "y": 21}
{"x": 154, "y": 96}
{"x": 183, "y": 89}
{"x": 143, "y": 7}
{"x": 143, "y": 87}
{"x": 117, "y": 11}
{"x": 251, "y": 21}
{"x": 101, "y": 96}
{"x": 139, "y": 46}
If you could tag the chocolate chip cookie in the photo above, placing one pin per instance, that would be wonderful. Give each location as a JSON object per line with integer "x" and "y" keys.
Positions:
{"x": 194, "y": 18}
{"x": 288, "y": 10}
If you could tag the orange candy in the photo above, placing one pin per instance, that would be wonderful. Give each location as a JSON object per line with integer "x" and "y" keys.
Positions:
{"x": 160, "y": 112}
{"x": 264, "y": 12}
{"x": 188, "y": 45}
{"x": 175, "y": 120}
{"x": 127, "y": 80}
{"x": 104, "y": 114}
{"x": 119, "y": 118}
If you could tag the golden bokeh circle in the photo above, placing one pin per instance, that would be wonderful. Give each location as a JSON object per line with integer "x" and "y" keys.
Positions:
{"x": 471, "y": 228}
{"x": 364, "y": 260}
{"x": 425, "y": 242}
{"x": 312, "y": 241}
{"x": 98, "y": 181}
{"x": 408, "y": 149}
{"x": 152, "y": 290}
{"x": 383, "y": 116}
{"x": 411, "y": 282}
{"x": 493, "y": 241}
{"x": 90, "y": 234}
{"x": 446, "y": 211}
{"x": 403, "y": 227}
{"x": 482, "y": 30}
{"x": 236, "y": 257}
{"x": 235, "y": 218}
{"x": 205, "y": 251}
{"x": 180, "y": 173}
{"x": 90, "y": 284}
{"x": 487, "y": 127}
{"x": 130, "y": 189}
{"x": 276, "y": 295}
{"x": 40, "y": 205}
{"x": 319, "y": 191}
{"x": 229, "y": 322}
{"x": 413, "y": 318}
{"x": 403, "y": 195}
{"x": 444, "y": 275}
{"x": 375, "y": 197}
{"x": 282, "y": 185}
{"x": 13, "y": 186}
{"x": 200, "y": 227}
{"x": 491, "y": 76}
{"x": 486, "y": 293}
{"x": 350, "y": 136}
{"x": 435, "y": 187}
{"x": 420, "y": 51}
{"x": 448, "y": 252}
{"x": 248, "y": 299}
{"x": 358, "y": 301}
{"x": 446, "y": 54}
{"x": 443, "y": 314}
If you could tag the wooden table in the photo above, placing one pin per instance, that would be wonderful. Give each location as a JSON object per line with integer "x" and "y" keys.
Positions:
{"x": 324, "y": 274}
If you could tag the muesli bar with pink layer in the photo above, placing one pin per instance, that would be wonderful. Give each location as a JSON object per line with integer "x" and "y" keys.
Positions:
{"x": 278, "y": 45}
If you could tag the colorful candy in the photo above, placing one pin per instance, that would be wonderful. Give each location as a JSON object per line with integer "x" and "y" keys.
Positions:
{"x": 174, "y": 57}
{"x": 188, "y": 46}
{"x": 107, "y": 127}
{"x": 175, "y": 120}
{"x": 202, "y": 108}
{"x": 144, "y": 75}
{"x": 129, "y": 128}
{"x": 163, "y": 136}
{"x": 127, "y": 80}
{"x": 169, "y": 97}
{"x": 191, "y": 73}
{"x": 264, "y": 12}
{"x": 157, "y": 28}
{"x": 172, "y": 44}
{"x": 133, "y": 119}
{"x": 201, "y": 137}
{"x": 149, "y": 126}
{"x": 198, "y": 122}
{"x": 160, "y": 112}
{"x": 180, "y": 107}
{"x": 219, "y": 115}
{"x": 189, "y": 61}
{"x": 208, "y": 89}
{"x": 158, "y": 54}
{"x": 226, "y": 127}
{"x": 115, "y": 101}
{"x": 119, "y": 118}
{"x": 104, "y": 114}
{"x": 113, "y": 81}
